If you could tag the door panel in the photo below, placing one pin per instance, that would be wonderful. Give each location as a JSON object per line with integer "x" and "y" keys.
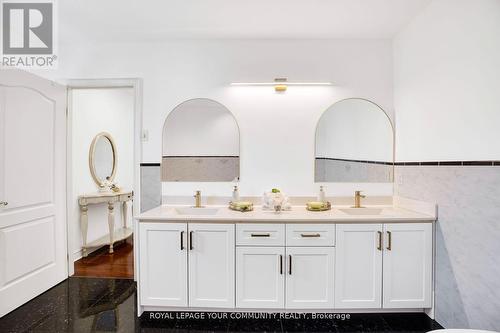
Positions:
{"x": 163, "y": 264}
{"x": 358, "y": 266}
{"x": 408, "y": 265}
{"x": 211, "y": 265}
{"x": 29, "y": 172}
{"x": 310, "y": 277}
{"x": 13, "y": 244}
{"x": 260, "y": 281}
{"x": 33, "y": 248}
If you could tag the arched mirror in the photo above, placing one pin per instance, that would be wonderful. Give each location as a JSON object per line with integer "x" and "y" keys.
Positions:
{"x": 354, "y": 144}
{"x": 201, "y": 142}
{"x": 102, "y": 159}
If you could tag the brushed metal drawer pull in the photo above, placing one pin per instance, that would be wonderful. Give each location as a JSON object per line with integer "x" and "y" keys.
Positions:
{"x": 389, "y": 240}
{"x": 182, "y": 240}
{"x": 310, "y": 235}
{"x": 379, "y": 246}
{"x": 261, "y": 235}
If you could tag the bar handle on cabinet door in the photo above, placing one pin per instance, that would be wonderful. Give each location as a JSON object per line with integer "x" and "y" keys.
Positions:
{"x": 389, "y": 240}
{"x": 281, "y": 264}
{"x": 260, "y": 235}
{"x": 182, "y": 240}
{"x": 289, "y": 264}
{"x": 191, "y": 240}
{"x": 310, "y": 235}
{"x": 379, "y": 247}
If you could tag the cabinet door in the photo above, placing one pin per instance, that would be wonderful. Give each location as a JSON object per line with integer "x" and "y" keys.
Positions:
{"x": 163, "y": 264}
{"x": 211, "y": 265}
{"x": 260, "y": 281}
{"x": 358, "y": 266}
{"x": 408, "y": 265}
{"x": 309, "y": 277}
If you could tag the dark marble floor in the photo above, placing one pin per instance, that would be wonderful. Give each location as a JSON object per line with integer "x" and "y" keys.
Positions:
{"x": 109, "y": 305}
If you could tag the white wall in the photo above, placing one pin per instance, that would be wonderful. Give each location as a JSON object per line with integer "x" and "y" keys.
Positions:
{"x": 447, "y": 100}
{"x": 94, "y": 111}
{"x": 277, "y": 130}
{"x": 447, "y": 82}
{"x": 356, "y": 130}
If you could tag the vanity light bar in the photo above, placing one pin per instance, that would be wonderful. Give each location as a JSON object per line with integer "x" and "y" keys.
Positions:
{"x": 285, "y": 83}
{"x": 281, "y": 84}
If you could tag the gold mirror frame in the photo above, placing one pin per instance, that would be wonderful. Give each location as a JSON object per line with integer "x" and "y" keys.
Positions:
{"x": 100, "y": 182}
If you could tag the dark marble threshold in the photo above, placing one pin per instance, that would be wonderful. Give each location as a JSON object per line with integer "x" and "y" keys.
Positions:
{"x": 109, "y": 305}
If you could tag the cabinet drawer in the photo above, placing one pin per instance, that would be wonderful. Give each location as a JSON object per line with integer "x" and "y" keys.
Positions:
{"x": 260, "y": 234}
{"x": 310, "y": 235}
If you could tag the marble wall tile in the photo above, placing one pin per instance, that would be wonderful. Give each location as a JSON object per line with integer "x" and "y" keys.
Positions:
{"x": 352, "y": 172}
{"x": 150, "y": 187}
{"x": 468, "y": 240}
{"x": 202, "y": 169}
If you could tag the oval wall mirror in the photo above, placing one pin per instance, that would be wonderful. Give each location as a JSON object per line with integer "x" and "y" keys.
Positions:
{"x": 354, "y": 144}
{"x": 201, "y": 142}
{"x": 102, "y": 159}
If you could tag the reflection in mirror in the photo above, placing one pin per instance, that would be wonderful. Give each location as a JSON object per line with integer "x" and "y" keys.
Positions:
{"x": 201, "y": 142}
{"x": 354, "y": 144}
{"x": 102, "y": 159}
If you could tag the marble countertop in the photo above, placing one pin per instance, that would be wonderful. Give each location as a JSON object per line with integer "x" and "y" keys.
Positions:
{"x": 298, "y": 214}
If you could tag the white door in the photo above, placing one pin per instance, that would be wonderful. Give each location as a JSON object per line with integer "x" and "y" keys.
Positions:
{"x": 33, "y": 246}
{"x": 358, "y": 266}
{"x": 211, "y": 265}
{"x": 260, "y": 281}
{"x": 163, "y": 264}
{"x": 309, "y": 277}
{"x": 408, "y": 265}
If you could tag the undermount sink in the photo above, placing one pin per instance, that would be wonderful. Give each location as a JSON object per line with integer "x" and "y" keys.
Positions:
{"x": 362, "y": 211}
{"x": 196, "y": 210}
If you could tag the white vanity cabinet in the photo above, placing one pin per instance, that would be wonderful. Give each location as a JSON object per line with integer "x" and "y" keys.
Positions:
{"x": 165, "y": 277}
{"x": 211, "y": 265}
{"x": 310, "y": 277}
{"x": 260, "y": 277}
{"x": 358, "y": 266}
{"x": 407, "y": 265}
{"x": 285, "y": 266}
{"x": 163, "y": 261}
{"x": 383, "y": 266}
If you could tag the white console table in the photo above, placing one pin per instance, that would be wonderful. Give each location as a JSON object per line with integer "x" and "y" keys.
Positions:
{"x": 114, "y": 235}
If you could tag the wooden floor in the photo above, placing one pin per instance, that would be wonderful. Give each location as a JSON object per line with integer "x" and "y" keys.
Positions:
{"x": 100, "y": 263}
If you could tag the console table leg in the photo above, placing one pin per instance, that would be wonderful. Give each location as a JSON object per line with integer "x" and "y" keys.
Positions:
{"x": 124, "y": 213}
{"x": 84, "y": 223}
{"x": 111, "y": 223}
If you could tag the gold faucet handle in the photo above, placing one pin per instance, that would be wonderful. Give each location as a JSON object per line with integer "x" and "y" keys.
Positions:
{"x": 359, "y": 194}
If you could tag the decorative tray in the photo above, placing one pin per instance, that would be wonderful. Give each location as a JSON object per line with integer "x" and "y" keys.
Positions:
{"x": 326, "y": 207}
{"x": 244, "y": 208}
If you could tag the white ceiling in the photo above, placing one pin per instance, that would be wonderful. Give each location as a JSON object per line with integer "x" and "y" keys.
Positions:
{"x": 136, "y": 20}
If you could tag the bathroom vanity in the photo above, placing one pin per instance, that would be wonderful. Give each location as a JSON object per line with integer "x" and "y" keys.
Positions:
{"x": 213, "y": 259}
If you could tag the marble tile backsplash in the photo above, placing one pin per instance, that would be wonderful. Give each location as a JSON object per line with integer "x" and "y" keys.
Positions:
{"x": 468, "y": 240}
{"x": 200, "y": 169}
{"x": 338, "y": 171}
{"x": 150, "y": 186}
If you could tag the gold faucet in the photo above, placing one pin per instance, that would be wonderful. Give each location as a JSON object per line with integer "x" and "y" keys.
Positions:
{"x": 197, "y": 198}
{"x": 357, "y": 199}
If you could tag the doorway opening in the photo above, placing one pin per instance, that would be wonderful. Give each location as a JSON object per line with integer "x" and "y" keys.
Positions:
{"x": 103, "y": 189}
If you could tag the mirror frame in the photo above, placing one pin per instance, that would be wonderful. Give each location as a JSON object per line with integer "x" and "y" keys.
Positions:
{"x": 393, "y": 141}
{"x": 100, "y": 182}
